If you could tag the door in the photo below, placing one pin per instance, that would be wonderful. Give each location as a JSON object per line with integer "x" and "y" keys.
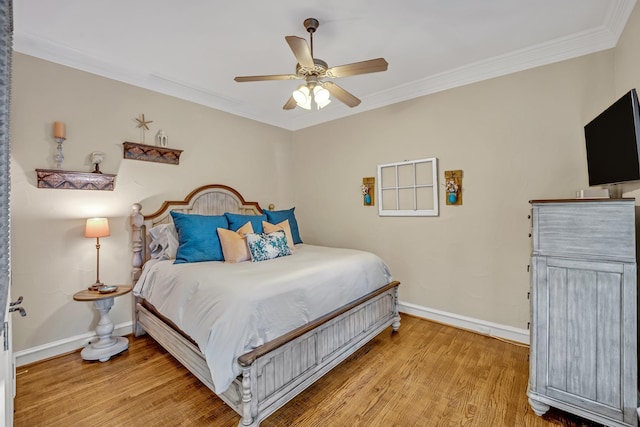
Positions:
{"x": 7, "y": 370}
{"x": 6, "y": 357}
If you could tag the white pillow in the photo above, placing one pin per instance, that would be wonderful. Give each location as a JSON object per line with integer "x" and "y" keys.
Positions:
{"x": 164, "y": 241}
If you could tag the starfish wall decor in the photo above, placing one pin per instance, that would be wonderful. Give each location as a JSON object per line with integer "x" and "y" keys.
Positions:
{"x": 143, "y": 126}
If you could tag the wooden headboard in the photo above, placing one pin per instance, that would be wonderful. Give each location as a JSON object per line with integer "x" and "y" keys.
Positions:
{"x": 213, "y": 199}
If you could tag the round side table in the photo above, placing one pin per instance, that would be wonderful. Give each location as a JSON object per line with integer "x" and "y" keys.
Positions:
{"x": 107, "y": 345}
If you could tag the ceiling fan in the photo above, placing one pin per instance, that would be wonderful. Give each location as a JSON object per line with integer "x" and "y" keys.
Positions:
{"x": 317, "y": 90}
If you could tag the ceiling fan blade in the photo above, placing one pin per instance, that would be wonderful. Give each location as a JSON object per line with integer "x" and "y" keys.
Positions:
{"x": 364, "y": 67}
{"x": 267, "y": 77}
{"x": 301, "y": 51}
{"x": 341, "y": 94}
{"x": 290, "y": 104}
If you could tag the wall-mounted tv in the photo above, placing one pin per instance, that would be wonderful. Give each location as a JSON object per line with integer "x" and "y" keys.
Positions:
{"x": 612, "y": 141}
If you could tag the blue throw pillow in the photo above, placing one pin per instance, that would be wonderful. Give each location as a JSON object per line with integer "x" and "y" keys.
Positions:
{"x": 198, "y": 237}
{"x": 238, "y": 220}
{"x": 267, "y": 246}
{"x": 275, "y": 217}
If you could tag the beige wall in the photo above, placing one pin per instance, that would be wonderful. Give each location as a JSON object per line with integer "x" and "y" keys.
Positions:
{"x": 627, "y": 56}
{"x": 51, "y": 260}
{"x": 516, "y": 138}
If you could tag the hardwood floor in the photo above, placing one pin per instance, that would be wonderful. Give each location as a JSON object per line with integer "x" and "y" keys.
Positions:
{"x": 428, "y": 374}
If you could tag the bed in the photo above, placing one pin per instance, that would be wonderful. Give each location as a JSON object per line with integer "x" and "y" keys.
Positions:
{"x": 271, "y": 371}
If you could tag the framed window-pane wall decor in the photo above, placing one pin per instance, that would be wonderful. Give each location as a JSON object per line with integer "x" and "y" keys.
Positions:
{"x": 408, "y": 188}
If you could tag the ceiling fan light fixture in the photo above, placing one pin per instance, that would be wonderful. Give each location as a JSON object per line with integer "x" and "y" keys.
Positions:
{"x": 301, "y": 95}
{"x": 320, "y": 94}
{"x": 306, "y": 105}
{"x": 323, "y": 104}
{"x": 311, "y": 93}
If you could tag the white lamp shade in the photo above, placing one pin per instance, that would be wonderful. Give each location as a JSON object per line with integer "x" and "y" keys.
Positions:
{"x": 97, "y": 227}
{"x": 301, "y": 95}
{"x": 306, "y": 105}
{"x": 320, "y": 94}
{"x": 323, "y": 104}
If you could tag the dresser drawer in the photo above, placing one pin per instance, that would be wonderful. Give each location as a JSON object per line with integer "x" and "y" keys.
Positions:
{"x": 604, "y": 229}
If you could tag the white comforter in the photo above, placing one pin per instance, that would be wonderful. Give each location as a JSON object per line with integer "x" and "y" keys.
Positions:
{"x": 230, "y": 309}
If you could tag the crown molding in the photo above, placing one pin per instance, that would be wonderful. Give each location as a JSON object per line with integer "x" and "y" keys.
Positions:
{"x": 575, "y": 45}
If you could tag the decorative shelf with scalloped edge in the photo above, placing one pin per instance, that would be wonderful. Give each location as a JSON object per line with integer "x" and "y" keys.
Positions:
{"x": 151, "y": 153}
{"x": 71, "y": 180}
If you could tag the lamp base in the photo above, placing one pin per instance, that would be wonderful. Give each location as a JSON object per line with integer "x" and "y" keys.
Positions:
{"x": 96, "y": 286}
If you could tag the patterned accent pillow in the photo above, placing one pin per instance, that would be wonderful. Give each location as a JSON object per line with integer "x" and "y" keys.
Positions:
{"x": 268, "y": 246}
{"x": 284, "y": 226}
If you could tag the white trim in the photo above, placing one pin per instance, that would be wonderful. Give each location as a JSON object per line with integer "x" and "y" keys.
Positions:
{"x": 476, "y": 325}
{"x": 57, "y": 348}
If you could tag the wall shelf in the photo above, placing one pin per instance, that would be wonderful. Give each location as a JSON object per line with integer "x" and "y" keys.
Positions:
{"x": 71, "y": 180}
{"x": 151, "y": 153}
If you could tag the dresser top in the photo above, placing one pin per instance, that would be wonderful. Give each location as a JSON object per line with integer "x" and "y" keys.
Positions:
{"x": 599, "y": 200}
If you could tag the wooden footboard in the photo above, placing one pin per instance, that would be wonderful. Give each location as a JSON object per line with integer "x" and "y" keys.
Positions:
{"x": 279, "y": 370}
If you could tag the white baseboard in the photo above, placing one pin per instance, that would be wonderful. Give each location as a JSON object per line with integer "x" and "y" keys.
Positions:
{"x": 469, "y": 323}
{"x": 56, "y": 348}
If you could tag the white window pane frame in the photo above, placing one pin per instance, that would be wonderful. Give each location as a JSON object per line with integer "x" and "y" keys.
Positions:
{"x": 392, "y": 193}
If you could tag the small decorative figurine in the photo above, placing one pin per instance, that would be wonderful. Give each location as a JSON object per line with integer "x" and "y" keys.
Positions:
{"x": 143, "y": 125}
{"x": 97, "y": 157}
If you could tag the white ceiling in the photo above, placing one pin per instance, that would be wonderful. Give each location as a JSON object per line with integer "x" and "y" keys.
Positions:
{"x": 193, "y": 49}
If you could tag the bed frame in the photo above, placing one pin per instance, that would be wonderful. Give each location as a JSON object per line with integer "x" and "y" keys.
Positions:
{"x": 279, "y": 370}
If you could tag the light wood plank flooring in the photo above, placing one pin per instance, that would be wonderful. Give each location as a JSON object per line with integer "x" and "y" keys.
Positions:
{"x": 428, "y": 374}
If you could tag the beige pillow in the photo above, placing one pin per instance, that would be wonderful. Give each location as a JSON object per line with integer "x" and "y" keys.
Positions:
{"x": 284, "y": 226}
{"x": 234, "y": 244}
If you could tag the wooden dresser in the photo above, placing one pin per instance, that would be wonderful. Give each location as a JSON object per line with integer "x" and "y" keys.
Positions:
{"x": 583, "y": 356}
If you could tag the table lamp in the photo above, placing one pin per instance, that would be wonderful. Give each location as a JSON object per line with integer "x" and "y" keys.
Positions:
{"x": 97, "y": 227}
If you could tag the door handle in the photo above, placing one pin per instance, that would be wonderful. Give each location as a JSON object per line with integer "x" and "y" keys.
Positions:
{"x": 12, "y": 307}
{"x": 22, "y": 311}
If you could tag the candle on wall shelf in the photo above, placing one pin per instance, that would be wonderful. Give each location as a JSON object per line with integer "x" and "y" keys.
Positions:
{"x": 59, "y": 130}
{"x": 59, "y": 133}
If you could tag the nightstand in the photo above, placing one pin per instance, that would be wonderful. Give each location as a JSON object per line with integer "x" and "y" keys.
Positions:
{"x": 107, "y": 345}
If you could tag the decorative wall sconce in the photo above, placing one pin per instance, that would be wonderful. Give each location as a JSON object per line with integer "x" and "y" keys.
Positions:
{"x": 453, "y": 186}
{"x": 368, "y": 191}
{"x": 59, "y": 135}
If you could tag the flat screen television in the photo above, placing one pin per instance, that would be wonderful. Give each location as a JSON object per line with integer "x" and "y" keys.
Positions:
{"x": 612, "y": 141}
